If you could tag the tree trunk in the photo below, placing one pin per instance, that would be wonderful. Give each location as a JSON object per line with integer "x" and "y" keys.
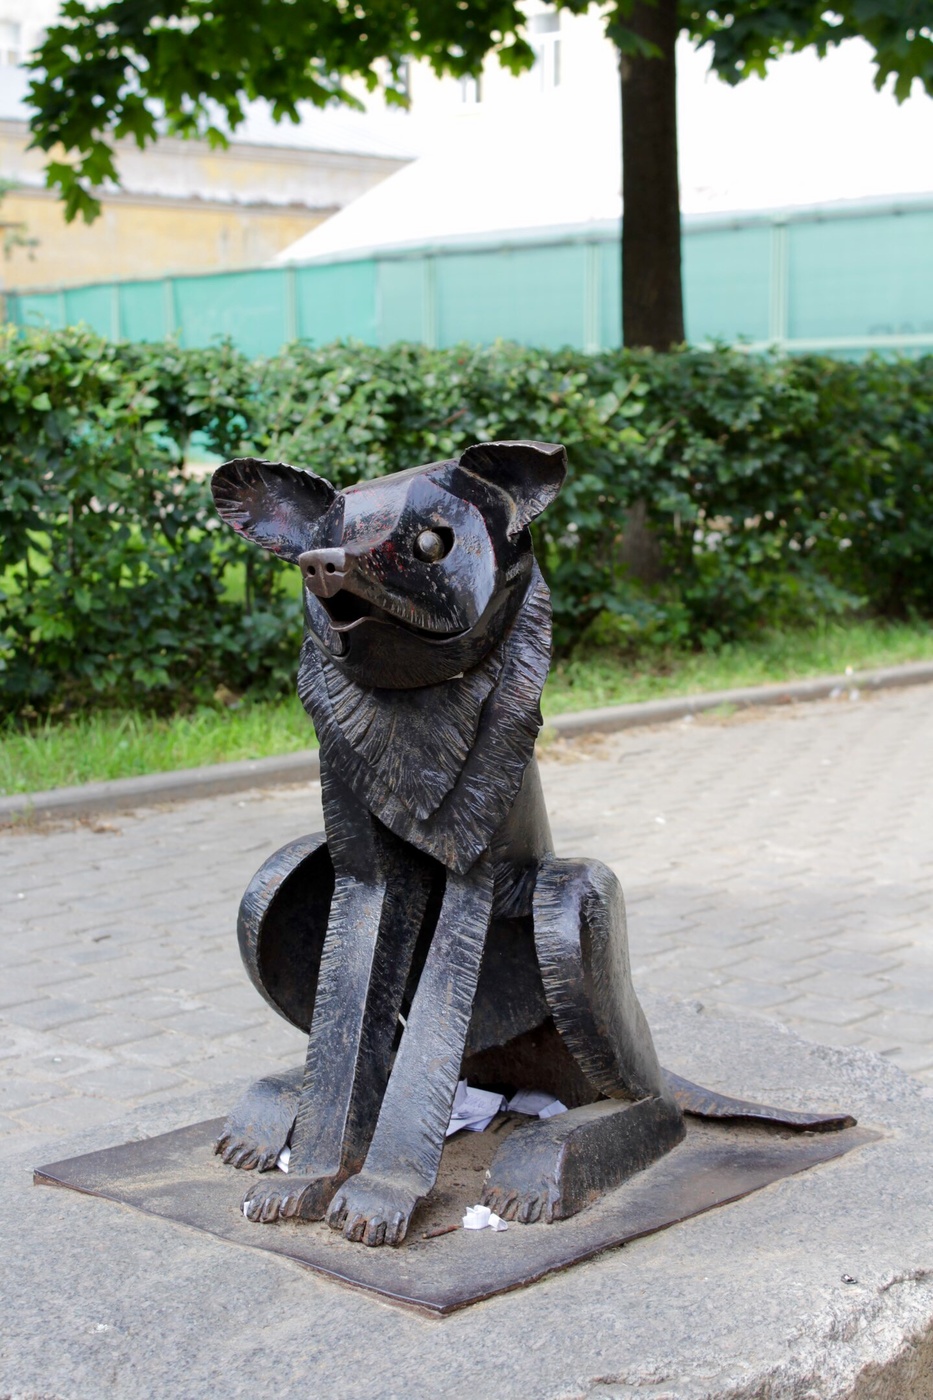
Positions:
{"x": 652, "y": 295}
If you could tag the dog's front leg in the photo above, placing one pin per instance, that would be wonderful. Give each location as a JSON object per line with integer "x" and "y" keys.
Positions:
{"x": 403, "y": 1159}
{"x": 380, "y": 895}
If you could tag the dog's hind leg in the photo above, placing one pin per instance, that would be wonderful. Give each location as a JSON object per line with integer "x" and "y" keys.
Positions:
{"x": 403, "y": 1159}
{"x": 554, "y": 1168}
{"x": 380, "y": 896}
{"x": 280, "y": 928}
{"x": 260, "y": 1121}
{"x": 581, "y": 939}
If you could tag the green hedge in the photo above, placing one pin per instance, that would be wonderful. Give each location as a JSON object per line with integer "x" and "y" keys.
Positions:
{"x": 711, "y": 493}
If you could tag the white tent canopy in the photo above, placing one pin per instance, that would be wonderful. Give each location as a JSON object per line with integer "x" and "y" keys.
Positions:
{"x": 814, "y": 132}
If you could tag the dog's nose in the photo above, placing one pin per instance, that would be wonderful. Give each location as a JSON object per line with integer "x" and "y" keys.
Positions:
{"x": 324, "y": 570}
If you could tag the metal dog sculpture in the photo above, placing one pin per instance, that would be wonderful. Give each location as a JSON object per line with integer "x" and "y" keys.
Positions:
{"x": 432, "y": 932}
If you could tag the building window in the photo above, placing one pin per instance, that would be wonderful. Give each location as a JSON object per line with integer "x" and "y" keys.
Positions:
{"x": 544, "y": 32}
{"x": 471, "y": 91}
{"x": 11, "y": 53}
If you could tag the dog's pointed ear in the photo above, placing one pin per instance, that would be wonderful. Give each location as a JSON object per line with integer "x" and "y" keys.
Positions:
{"x": 270, "y": 503}
{"x": 530, "y": 474}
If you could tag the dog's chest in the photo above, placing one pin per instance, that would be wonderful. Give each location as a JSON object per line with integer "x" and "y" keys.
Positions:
{"x": 439, "y": 765}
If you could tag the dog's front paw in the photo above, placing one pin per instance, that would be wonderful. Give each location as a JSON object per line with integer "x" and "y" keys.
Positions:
{"x": 373, "y": 1210}
{"x": 288, "y": 1198}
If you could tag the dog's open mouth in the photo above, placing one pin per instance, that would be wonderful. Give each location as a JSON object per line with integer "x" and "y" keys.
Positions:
{"x": 347, "y": 610}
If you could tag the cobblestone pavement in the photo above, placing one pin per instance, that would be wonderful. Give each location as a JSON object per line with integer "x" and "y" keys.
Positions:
{"x": 778, "y": 863}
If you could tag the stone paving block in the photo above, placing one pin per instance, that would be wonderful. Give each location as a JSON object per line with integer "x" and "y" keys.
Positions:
{"x": 57, "y": 1064}
{"x": 899, "y": 996}
{"x": 787, "y": 968}
{"x": 67, "y": 1115}
{"x": 199, "y": 981}
{"x": 237, "y": 999}
{"x": 826, "y": 1012}
{"x": 115, "y": 942}
{"x": 45, "y": 973}
{"x": 125, "y": 1082}
{"x": 46, "y": 1013}
{"x": 902, "y": 1027}
{"x": 20, "y": 994}
{"x": 153, "y": 1006}
{"x": 170, "y": 1049}
{"x": 850, "y": 960}
{"x": 243, "y": 1067}
{"x": 109, "y": 1030}
{"x": 37, "y": 940}
{"x": 270, "y": 1035}
{"x": 757, "y": 996}
{"x": 208, "y": 1023}
{"x": 851, "y": 987}
{"x": 107, "y": 991}
{"x": 718, "y": 934}
{"x": 856, "y": 1034}
{"x": 23, "y": 1092}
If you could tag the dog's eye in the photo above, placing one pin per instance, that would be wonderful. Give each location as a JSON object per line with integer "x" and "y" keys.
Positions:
{"x": 432, "y": 545}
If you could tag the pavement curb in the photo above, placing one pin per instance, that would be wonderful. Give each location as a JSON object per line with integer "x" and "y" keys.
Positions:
{"x": 122, "y": 794}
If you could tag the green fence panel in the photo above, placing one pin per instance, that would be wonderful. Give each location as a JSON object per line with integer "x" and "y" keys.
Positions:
{"x": 94, "y": 307}
{"x": 142, "y": 310}
{"x": 336, "y": 301}
{"x": 248, "y": 306}
{"x": 865, "y": 276}
{"x": 45, "y": 309}
{"x": 402, "y": 299}
{"x": 727, "y": 276}
{"x": 532, "y": 295}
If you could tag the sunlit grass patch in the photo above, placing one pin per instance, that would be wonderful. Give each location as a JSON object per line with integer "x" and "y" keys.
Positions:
{"x": 604, "y": 679}
{"x": 96, "y": 746}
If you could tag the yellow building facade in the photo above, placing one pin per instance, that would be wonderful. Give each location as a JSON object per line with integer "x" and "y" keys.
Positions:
{"x": 183, "y": 207}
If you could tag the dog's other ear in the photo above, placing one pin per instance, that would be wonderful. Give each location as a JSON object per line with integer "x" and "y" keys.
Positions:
{"x": 530, "y": 474}
{"x": 270, "y": 503}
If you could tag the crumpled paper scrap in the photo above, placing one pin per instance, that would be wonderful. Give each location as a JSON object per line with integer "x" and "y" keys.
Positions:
{"x": 535, "y": 1103}
{"x": 474, "y": 1109}
{"x": 482, "y": 1218}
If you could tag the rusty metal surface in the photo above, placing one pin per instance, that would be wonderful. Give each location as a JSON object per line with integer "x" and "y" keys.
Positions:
{"x": 177, "y": 1177}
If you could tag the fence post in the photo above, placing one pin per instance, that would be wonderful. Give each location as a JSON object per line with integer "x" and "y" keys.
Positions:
{"x": 292, "y": 329}
{"x": 778, "y": 317}
{"x": 429, "y": 327}
{"x": 592, "y": 297}
{"x": 168, "y": 306}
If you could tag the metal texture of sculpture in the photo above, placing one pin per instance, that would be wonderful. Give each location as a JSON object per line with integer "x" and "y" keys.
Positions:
{"x": 432, "y": 933}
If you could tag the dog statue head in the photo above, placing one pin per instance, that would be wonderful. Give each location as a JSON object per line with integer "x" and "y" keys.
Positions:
{"x": 410, "y": 579}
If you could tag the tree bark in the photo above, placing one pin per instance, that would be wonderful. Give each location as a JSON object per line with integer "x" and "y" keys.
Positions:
{"x": 652, "y": 294}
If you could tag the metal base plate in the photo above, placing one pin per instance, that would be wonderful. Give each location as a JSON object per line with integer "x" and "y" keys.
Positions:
{"x": 177, "y": 1177}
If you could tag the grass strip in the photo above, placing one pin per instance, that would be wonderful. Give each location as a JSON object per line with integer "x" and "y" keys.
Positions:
{"x": 824, "y": 650}
{"x": 122, "y": 744}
